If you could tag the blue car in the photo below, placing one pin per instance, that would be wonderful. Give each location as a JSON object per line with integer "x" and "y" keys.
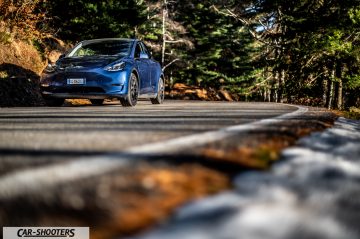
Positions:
{"x": 104, "y": 68}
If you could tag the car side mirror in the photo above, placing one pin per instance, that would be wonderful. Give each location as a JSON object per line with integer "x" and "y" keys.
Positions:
{"x": 144, "y": 56}
{"x": 61, "y": 56}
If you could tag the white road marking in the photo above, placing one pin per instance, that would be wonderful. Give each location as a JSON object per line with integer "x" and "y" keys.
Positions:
{"x": 196, "y": 140}
{"x": 40, "y": 179}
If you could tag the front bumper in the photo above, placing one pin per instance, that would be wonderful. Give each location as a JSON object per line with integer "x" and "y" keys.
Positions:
{"x": 99, "y": 84}
{"x": 47, "y": 94}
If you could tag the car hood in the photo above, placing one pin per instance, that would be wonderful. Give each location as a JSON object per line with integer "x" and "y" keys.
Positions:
{"x": 87, "y": 61}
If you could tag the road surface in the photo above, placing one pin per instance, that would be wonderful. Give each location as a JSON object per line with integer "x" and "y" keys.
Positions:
{"x": 120, "y": 170}
{"x": 92, "y": 130}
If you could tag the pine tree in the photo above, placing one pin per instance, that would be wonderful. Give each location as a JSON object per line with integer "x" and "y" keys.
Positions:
{"x": 87, "y": 19}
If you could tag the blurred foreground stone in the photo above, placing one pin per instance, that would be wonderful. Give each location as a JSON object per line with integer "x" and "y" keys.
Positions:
{"x": 314, "y": 192}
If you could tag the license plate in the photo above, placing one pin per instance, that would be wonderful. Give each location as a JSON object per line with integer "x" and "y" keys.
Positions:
{"x": 76, "y": 81}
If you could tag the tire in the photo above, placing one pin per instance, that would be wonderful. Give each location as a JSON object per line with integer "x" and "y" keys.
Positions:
{"x": 54, "y": 102}
{"x": 133, "y": 92}
{"x": 159, "y": 99}
{"x": 97, "y": 101}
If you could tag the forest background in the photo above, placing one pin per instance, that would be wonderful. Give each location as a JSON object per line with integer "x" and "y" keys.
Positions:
{"x": 304, "y": 51}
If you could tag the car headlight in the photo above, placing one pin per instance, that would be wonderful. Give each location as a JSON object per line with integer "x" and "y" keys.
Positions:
{"x": 116, "y": 67}
{"x": 50, "y": 68}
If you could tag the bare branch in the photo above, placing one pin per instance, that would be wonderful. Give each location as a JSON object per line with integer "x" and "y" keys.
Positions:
{"x": 253, "y": 33}
{"x": 174, "y": 41}
{"x": 169, "y": 64}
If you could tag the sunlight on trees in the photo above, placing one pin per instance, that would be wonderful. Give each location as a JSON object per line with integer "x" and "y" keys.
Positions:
{"x": 303, "y": 51}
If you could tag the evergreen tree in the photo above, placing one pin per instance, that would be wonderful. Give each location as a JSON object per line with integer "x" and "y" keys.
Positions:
{"x": 222, "y": 47}
{"x": 311, "y": 47}
{"x": 278, "y": 50}
{"x": 86, "y": 19}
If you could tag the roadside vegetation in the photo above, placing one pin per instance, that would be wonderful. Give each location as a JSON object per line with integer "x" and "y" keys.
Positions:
{"x": 304, "y": 52}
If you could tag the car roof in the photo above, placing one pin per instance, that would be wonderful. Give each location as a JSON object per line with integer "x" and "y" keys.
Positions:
{"x": 109, "y": 39}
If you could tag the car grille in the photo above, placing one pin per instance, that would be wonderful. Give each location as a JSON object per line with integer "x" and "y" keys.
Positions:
{"x": 79, "y": 89}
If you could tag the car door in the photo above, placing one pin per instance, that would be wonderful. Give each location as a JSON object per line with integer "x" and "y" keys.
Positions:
{"x": 142, "y": 65}
{"x": 153, "y": 68}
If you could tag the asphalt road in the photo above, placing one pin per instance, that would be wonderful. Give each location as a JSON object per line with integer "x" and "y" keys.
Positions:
{"x": 86, "y": 130}
{"x": 108, "y": 167}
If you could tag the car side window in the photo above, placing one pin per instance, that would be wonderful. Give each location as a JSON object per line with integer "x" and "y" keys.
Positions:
{"x": 145, "y": 50}
{"x": 137, "y": 50}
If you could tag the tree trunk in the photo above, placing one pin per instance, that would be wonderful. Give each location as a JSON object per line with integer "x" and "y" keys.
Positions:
{"x": 171, "y": 79}
{"x": 282, "y": 86}
{"x": 325, "y": 92}
{"x": 326, "y": 86}
{"x": 277, "y": 85}
{"x": 340, "y": 95}
{"x": 339, "y": 75}
{"x": 135, "y": 32}
{"x": 332, "y": 90}
{"x": 164, "y": 13}
{"x": 266, "y": 95}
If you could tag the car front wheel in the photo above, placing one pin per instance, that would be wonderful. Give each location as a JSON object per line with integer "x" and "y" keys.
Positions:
{"x": 131, "y": 97}
{"x": 159, "y": 99}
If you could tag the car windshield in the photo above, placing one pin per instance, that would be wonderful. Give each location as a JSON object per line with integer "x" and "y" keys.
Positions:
{"x": 103, "y": 48}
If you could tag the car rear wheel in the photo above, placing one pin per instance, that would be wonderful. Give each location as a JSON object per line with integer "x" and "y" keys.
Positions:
{"x": 133, "y": 92}
{"x": 53, "y": 102}
{"x": 97, "y": 101}
{"x": 159, "y": 99}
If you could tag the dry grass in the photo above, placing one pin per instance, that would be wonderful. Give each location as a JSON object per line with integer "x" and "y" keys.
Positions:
{"x": 186, "y": 92}
{"x": 261, "y": 150}
{"x": 21, "y": 54}
{"x": 352, "y": 113}
{"x": 255, "y": 155}
{"x": 20, "y": 67}
{"x": 77, "y": 102}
